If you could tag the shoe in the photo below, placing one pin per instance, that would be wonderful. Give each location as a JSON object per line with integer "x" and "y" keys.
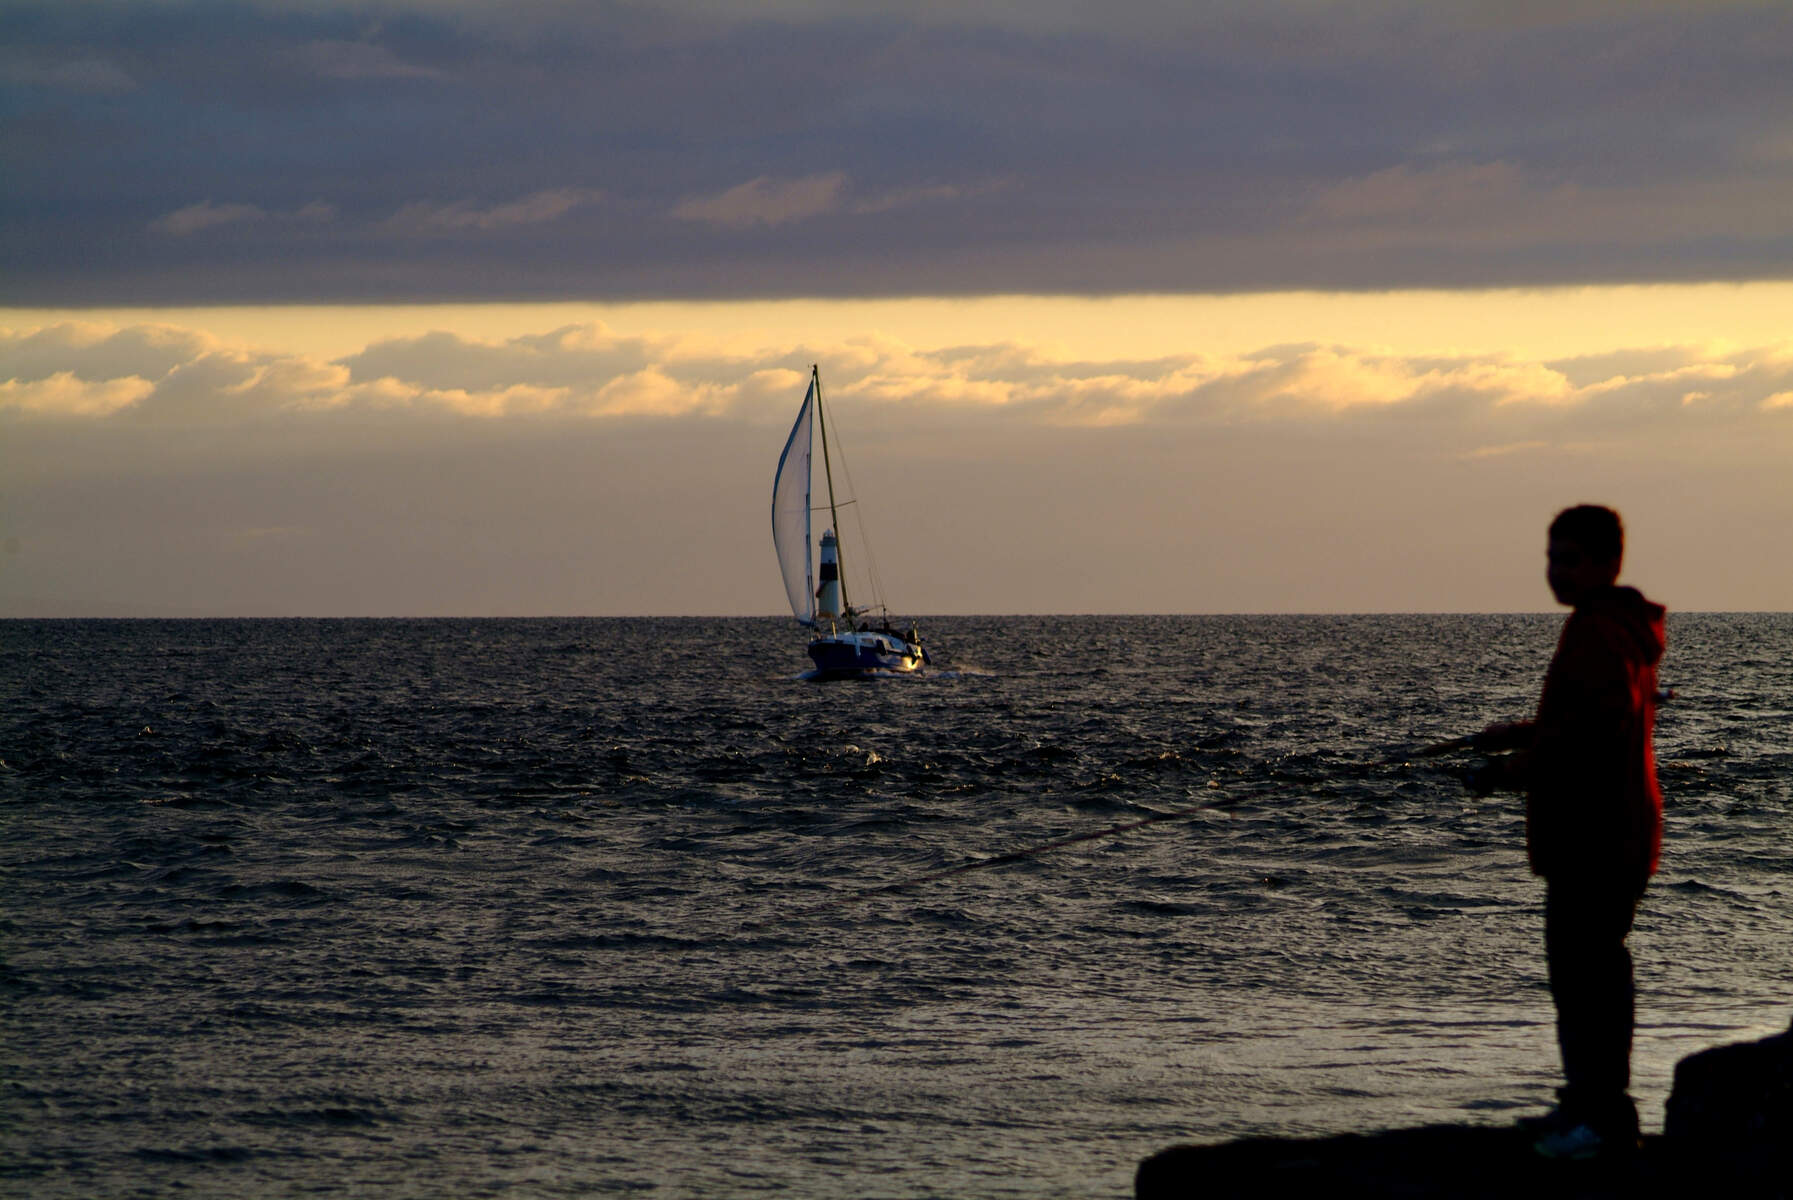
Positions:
{"x": 1577, "y": 1143}
{"x": 1543, "y": 1123}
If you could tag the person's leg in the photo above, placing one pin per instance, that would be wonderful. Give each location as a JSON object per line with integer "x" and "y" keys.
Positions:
{"x": 1585, "y": 926}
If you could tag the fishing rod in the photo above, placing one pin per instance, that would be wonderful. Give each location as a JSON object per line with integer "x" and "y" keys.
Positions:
{"x": 1042, "y": 848}
{"x": 1435, "y": 750}
{"x": 1220, "y": 804}
{"x": 1468, "y": 741}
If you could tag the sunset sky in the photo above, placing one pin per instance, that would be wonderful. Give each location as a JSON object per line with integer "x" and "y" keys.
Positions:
{"x": 435, "y": 307}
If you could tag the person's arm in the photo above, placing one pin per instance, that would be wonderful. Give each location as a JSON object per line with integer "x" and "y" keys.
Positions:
{"x": 1507, "y": 771}
{"x": 1505, "y": 735}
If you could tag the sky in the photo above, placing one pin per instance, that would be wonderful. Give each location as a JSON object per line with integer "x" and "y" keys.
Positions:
{"x": 434, "y": 307}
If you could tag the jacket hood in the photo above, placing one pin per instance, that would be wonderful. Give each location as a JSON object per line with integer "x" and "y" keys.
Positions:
{"x": 1640, "y": 618}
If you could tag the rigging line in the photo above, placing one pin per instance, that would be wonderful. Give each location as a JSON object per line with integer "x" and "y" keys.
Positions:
{"x": 840, "y": 558}
{"x": 874, "y": 583}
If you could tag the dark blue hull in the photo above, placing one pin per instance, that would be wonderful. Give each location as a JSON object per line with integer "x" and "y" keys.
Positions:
{"x": 846, "y": 655}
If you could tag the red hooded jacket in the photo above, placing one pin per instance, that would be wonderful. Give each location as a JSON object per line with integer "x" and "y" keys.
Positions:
{"x": 1593, "y": 810}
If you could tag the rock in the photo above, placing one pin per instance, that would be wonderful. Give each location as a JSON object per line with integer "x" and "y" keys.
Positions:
{"x": 1734, "y": 1105}
{"x": 1457, "y": 1161}
{"x": 1728, "y": 1134}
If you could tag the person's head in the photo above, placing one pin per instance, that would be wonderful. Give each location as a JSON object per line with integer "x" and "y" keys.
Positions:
{"x": 1587, "y": 544}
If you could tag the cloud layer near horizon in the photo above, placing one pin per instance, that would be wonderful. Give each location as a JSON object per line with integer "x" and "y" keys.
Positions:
{"x": 584, "y": 469}
{"x": 155, "y": 373}
{"x": 205, "y": 151}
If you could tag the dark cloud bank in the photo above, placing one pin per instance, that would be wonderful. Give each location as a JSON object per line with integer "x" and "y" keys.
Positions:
{"x": 229, "y": 152}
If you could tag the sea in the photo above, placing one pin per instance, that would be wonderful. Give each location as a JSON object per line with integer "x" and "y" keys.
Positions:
{"x": 585, "y": 907}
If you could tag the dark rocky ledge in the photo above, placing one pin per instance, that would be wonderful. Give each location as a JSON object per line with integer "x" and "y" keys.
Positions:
{"x": 1729, "y": 1136}
{"x": 1457, "y": 1161}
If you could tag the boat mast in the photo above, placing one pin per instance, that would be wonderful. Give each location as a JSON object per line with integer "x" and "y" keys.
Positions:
{"x": 846, "y": 605}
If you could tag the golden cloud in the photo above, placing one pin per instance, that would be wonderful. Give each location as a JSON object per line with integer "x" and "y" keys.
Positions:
{"x": 65, "y": 395}
{"x": 91, "y": 371}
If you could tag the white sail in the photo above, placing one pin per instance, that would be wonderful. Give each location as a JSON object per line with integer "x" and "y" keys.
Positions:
{"x": 790, "y": 513}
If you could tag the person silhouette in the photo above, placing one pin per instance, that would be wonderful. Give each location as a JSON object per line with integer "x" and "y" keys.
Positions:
{"x": 1593, "y": 810}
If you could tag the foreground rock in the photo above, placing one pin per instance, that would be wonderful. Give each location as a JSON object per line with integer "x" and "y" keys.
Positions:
{"x": 1728, "y": 1134}
{"x": 1736, "y": 1103}
{"x": 1467, "y": 1162}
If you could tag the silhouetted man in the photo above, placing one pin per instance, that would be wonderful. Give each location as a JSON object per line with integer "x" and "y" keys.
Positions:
{"x": 1593, "y": 817}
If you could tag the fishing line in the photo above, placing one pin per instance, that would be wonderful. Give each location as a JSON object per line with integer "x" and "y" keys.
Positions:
{"x": 1029, "y": 851}
{"x": 1175, "y": 814}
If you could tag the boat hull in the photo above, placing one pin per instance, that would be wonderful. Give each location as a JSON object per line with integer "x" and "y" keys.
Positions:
{"x": 847, "y": 655}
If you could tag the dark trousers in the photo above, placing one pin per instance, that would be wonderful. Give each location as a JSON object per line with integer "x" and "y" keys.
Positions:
{"x": 1585, "y": 926}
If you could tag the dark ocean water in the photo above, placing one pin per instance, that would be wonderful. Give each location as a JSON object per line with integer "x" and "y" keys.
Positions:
{"x": 580, "y": 907}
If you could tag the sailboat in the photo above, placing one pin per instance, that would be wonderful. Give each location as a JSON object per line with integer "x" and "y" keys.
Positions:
{"x": 846, "y": 640}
